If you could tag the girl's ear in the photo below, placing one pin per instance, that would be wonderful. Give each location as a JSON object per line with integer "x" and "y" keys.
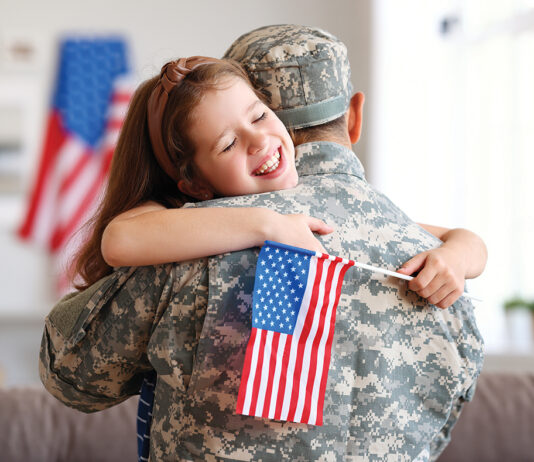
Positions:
{"x": 355, "y": 117}
{"x": 197, "y": 189}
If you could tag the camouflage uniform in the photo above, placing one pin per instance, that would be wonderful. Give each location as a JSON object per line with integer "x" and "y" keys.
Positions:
{"x": 400, "y": 368}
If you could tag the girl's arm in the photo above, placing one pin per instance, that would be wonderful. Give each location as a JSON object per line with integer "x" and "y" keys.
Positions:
{"x": 151, "y": 234}
{"x": 442, "y": 271}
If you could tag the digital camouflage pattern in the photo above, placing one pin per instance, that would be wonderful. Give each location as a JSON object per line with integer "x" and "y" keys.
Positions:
{"x": 399, "y": 372}
{"x": 303, "y": 72}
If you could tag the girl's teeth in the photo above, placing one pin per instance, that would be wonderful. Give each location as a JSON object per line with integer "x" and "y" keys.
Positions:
{"x": 269, "y": 166}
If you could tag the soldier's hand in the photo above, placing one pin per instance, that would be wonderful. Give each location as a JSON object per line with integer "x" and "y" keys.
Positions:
{"x": 297, "y": 230}
{"x": 441, "y": 277}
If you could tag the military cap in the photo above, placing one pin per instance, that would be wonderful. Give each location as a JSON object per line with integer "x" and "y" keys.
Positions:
{"x": 303, "y": 72}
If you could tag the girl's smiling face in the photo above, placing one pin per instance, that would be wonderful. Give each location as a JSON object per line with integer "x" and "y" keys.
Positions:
{"x": 241, "y": 147}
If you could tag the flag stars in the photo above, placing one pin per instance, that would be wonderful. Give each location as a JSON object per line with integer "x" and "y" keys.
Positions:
{"x": 281, "y": 282}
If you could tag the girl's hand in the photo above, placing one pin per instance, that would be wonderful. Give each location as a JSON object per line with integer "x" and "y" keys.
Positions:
{"x": 297, "y": 230}
{"x": 441, "y": 275}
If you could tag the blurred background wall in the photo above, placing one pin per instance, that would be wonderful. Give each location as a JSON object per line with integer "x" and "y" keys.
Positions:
{"x": 448, "y": 124}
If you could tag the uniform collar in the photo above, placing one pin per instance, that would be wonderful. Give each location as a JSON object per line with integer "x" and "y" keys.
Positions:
{"x": 324, "y": 157}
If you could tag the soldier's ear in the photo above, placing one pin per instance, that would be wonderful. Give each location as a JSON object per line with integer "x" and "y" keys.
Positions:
{"x": 355, "y": 117}
{"x": 196, "y": 189}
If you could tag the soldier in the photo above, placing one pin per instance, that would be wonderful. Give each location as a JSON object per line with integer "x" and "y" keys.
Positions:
{"x": 400, "y": 367}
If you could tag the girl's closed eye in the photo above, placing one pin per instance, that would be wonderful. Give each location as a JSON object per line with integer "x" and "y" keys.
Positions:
{"x": 260, "y": 118}
{"x": 230, "y": 146}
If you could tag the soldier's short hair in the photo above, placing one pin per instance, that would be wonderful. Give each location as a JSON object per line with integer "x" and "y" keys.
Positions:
{"x": 303, "y": 72}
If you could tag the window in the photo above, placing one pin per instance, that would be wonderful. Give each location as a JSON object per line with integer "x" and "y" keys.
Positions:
{"x": 452, "y": 134}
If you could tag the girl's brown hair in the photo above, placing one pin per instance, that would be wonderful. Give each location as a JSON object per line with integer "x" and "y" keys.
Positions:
{"x": 135, "y": 175}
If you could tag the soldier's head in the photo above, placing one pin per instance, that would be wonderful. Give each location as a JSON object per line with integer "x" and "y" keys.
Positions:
{"x": 304, "y": 74}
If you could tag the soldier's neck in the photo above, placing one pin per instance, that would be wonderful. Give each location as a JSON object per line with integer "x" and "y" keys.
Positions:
{"x": 344, "y": 141}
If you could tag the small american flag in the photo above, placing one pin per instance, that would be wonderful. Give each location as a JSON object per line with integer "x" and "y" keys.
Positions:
{"x": 90, "y": 101}
{"x": 296, "y": 292}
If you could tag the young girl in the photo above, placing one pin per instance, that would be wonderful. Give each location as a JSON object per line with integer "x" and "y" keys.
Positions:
{"x": 198, "y": 131}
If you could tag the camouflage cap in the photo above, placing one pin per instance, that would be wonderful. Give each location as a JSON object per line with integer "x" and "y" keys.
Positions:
{"x": 303, "y": 71}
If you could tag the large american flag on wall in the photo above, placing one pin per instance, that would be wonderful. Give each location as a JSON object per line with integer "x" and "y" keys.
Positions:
{"x": 91, "y": 97}
{"x": 296, "y": 292}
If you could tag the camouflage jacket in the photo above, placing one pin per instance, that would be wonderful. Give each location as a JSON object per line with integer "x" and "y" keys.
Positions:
{"x": 399, "y": 372}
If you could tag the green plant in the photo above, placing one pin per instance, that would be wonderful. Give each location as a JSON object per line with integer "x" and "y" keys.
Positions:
{"x": 517, "y": 303}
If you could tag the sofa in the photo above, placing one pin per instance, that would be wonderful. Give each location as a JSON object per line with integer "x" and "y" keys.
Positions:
{"x": 498, "y": 425}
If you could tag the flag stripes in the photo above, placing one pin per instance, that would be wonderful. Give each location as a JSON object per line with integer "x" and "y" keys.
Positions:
{"x": 284, "y": 375}
{"x": 71, "y": 178}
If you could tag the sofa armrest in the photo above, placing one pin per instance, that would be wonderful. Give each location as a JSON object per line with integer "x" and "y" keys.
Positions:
{"x": 498, "y": 425}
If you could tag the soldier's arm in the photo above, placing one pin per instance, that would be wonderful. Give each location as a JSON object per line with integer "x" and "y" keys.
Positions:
{"x": 93, "y": 351}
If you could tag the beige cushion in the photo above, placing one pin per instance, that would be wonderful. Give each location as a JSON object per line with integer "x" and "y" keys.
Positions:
{"x": 498, "y": 425}
{"x": 35, "y": 427}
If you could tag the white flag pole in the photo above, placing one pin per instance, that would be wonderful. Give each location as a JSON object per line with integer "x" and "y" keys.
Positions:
{"x": 394, "y": 274}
